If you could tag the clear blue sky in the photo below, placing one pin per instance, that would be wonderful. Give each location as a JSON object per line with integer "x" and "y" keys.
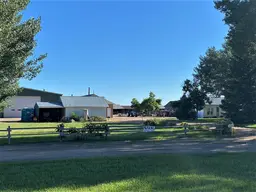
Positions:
{"x": 123, "y": 49}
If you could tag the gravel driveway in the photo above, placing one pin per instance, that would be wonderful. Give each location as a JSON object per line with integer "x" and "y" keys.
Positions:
{"x": 85, "y": 150}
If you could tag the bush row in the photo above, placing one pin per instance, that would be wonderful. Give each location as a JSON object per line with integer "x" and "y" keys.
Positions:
{"x": 90, "y": 129}
{"x": 159, "y": 122}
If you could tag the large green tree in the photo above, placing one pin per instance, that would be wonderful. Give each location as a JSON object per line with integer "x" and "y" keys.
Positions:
{"x": 212, "y": 69}
{"x": 231, "y": 71}
{"x": 240, "y": 81}
{"x": 196, "y": 95}
{"x": 148, "y": 105}
{"x": 192, "y": 101}
{"x": 17, "y": 44}
{"x": 135, "y": 104}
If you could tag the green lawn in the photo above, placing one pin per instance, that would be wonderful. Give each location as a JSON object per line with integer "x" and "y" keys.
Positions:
{"x": 177, "y": 173}
{"x": 119, "y": 132}
{"x": 249, "y": 126}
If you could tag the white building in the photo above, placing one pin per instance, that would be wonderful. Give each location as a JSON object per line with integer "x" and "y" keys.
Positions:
{"x": 82, "y": 106}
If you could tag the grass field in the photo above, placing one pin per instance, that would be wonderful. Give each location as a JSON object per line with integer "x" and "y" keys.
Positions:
{"x": 119, "y": 132}
{"x": 178, "y": 173}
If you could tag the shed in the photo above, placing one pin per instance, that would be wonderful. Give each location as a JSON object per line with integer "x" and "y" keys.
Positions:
{"x": 92, "y": 106}
{"x": 27, "y": 98}
{"x": 48, "y": 112}
{"x": 110, "y": 111}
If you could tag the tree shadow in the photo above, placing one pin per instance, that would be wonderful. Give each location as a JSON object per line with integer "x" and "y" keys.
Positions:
{"x": 218, "y": 172}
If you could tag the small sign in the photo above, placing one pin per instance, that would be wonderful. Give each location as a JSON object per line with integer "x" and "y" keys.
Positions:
{"x": 148, "y": 128}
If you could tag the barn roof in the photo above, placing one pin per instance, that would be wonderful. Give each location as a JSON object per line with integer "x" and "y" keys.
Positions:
{"x": 77, "y": 101}
{"x": 48, "y": 105}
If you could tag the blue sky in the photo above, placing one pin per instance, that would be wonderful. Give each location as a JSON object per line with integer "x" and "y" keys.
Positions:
{"x": 123, "y": 49}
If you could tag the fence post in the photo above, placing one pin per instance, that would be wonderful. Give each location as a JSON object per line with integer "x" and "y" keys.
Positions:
{"x": 61, "y": 131}
{"x": 9, "y": 134}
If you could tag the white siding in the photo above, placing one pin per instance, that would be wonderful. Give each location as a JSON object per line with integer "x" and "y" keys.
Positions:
{"x": 212, "y": 111}
{"x": 92, "y": 111}
{"x": 97, "y": 111}
{"x": 17, "y": 103}
{"x": 76, "y": 110}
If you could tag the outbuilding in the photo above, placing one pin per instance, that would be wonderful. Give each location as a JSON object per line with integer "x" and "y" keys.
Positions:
{"x": 27, "y": 98}
{"x": 49, "y": 112}
{"x": 84, "y": 106}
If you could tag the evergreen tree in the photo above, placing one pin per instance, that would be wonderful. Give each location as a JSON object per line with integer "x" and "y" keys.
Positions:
{"x": 240, "y": 80}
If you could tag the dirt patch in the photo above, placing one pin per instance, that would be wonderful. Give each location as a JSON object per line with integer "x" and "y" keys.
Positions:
{"x": 10, "y": 119}
{"x": 132, "y": 119}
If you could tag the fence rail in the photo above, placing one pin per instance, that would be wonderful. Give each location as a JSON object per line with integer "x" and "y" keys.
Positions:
{"x": 59, "y": 131}
{"x": 10, "y": 135}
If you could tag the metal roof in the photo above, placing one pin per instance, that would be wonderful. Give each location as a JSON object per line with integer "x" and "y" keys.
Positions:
{"x": 94, "y": 95}
{"x": 48, "y": 105}
{"x": 41, "y": 91}
{"x": 78, "y": 101}
{"x": 117, "y": 106}
{"x": 126, "y": 106}
{"x": 108, "y": 102}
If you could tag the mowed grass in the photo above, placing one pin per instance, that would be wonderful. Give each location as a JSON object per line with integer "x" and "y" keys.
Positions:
{"x": 178, "y": 173}
{"x": 118, "y": 132}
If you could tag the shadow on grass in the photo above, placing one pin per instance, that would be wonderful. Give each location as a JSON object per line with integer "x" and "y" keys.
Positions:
{"x": 122, "y": 134}
{"x": 219, "y": 172}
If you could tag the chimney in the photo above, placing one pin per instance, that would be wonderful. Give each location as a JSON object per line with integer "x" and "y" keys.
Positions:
{"x": 89, "y": 92}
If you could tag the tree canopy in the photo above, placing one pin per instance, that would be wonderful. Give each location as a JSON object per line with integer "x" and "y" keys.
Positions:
{"x": 135, "y": 104}
{"x": 231, "y": 71}
{"x": 17, "y": 44}
{"x": 148, "y": 105}
{"x": 192, "y": 101}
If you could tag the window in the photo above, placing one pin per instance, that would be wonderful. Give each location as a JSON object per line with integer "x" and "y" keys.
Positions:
{"x": 19, "y": 110}
{"x": 212, "y": 111}
{"x": 12, "y": 109}
{"x": 208, "y": 111}
{"x": 218, "y": 109}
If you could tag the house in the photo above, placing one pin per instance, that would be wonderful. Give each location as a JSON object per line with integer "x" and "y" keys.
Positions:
{"x": 28, "y": 98}
{"x": 213, "y": 109}
{"x": 210, "y": 110}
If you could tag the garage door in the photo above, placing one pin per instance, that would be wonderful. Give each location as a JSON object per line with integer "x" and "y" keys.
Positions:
{"x": 17, "y": 103}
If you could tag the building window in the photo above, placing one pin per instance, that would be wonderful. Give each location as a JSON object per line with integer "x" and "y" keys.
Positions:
{"x": 218, "y": 109}
{"x": 208, "y": 111}
{"x": 12, "y": 109}
{"x": 212, "y": 111}
{"x": 19, "y": 110}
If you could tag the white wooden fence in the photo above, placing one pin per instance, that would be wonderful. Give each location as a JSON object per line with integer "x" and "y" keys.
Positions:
{"x": 9, "y": 131}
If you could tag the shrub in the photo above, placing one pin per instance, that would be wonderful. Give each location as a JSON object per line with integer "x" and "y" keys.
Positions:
{"x": 73, "y": 130}
{"x": 94, "y": 128}
{"x": 152, "y": 122}
{"x": 82, "y": 119}
{"x": 158, "y": 122}
{"x": 65, "y": 120}
{"x": 226, "y": 125}
{"x": 74, "y": 116}
{"x": 97, "y": 118}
